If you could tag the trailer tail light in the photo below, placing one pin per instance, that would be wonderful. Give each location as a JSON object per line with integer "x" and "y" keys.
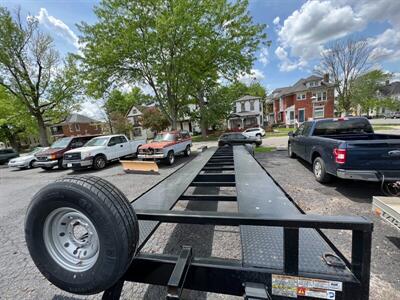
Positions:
{"x": 340, "y": 155}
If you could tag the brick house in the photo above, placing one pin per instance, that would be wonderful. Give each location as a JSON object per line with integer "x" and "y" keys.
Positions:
{"x": 309, "y": 98}
{"x": 76, "y": 124}
{"x": 248, "y": 111}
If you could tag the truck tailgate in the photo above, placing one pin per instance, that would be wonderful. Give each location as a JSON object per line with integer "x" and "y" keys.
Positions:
{"x": 373, "y": 155}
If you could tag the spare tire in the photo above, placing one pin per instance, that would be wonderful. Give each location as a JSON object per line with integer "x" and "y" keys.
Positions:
{"x": 81, "y": 233}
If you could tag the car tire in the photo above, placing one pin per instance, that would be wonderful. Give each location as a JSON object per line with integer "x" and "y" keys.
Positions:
{"x": 187, "y": 151}
{"x": 291, "y": 154}
{"x": 319, "y": 171}
{"x": 99, "y": 162}
{"x": 170, "y": 159}
{"x": 258, "y": 135}
{"x": 60, "y": 165}
{"x": 31, "y": 166}
{"x": 47, "y": 168}
{"x": 108, "y": 233}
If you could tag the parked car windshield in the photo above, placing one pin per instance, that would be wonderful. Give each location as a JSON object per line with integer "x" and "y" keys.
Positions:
{"x": 102, "y": 141}
{"x": 61, "y": 143}
{"x": 164, "y": 137}
{"x": 334, "y": 127}
{"x": 35, "y": 150}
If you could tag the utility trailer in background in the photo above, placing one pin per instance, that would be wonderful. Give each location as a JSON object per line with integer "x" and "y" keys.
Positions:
{"x": 388, "y": 208}
{"x": 285, "y": 255}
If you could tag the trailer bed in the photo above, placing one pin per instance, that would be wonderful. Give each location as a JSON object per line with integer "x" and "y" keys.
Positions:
{"x": 284, "y": 252}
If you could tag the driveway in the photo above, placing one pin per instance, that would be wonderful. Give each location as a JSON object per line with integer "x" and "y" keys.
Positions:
{"x": 342, "y": 198}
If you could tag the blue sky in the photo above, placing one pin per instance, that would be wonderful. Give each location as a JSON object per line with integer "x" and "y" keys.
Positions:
{"x": 299, "y": 30}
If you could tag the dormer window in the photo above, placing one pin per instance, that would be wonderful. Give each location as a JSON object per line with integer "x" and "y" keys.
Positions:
{"x": 242, "y": 106}
{"x": 251, "y": 105}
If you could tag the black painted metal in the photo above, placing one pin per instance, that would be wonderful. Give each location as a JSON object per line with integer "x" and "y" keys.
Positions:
{"x": 269, "y": 222}
{"x": 178, "y": 276}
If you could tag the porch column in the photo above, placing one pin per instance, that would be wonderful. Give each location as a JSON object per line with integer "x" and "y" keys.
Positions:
{"x": 242, "y": 122}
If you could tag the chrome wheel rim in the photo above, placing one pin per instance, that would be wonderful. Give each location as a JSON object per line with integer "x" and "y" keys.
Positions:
{"x": 290, "y": 150}
{"x": 71, "y": 239}
{"x": 100, "y": 163}
{"x": 171, "y": 158}
{"x": 188, "y": 150}
{"x": 317, "y": 169}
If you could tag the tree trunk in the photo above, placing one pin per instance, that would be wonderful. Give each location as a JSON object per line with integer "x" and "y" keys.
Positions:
{"x": 43, "y": 139}
{"x": 203, "y": 120}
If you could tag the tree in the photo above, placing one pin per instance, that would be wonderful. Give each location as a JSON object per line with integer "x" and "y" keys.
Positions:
{"x": 345, "y": 61}
{"x": 173, "y": 46}
{"x": 15, "y": 120}
{"x": 30, "y": 70}
{"x": 365, "y": 90}
{"x": 154, "y": 119}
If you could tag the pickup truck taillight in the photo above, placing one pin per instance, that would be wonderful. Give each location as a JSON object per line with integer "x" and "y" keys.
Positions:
{"x": 340, "y": 155}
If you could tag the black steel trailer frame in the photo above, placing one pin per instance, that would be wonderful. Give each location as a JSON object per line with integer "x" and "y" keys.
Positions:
{"x": 295, "y": 249}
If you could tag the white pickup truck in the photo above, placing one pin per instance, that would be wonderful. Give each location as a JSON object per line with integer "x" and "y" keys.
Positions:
{"x": 100, "y": 150}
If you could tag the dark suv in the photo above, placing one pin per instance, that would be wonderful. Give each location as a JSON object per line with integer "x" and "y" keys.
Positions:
{"x": 7, "y": 154}
{"x": 53, "y": 156}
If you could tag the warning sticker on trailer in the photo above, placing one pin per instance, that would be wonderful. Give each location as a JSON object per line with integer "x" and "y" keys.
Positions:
{"x": 292, "y": 286}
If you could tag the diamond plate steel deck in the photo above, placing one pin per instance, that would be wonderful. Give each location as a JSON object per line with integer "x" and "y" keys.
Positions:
{"x": 263, "y": 246}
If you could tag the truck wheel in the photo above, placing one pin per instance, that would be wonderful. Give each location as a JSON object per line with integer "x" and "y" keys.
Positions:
{"x": 99, "y": 162}
{"x": 187, "y": 151}
{"x": 291, "y": 154}
{"x": 81, "y": 233}
{"x": 31, "y": 164}
{"x": 320, "y": 172}
{"x": 170, "y": 158}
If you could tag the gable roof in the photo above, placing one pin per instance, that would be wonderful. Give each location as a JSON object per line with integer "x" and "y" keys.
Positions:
{"x": 300, "y": 86}
{"x": 78, "y": 118}
{"x": 391, "y": 89}
{"x": 247, "y": 97}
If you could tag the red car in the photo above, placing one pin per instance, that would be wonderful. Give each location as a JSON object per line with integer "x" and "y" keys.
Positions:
{"x": 166, "y": 145}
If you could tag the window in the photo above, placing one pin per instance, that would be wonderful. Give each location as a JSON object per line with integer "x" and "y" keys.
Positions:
{"x": 122, "y": 139}
{"x": 137, "y": 131}
{"x": 234, "y": 108}
{"x": 320, "y": 96}
{"x": 301, "y": 96}
{"x": 251, "y": 105}
{"x": 242, "y": 106}
{"x": 307, "y": 128}
{"x": 299, "y": 130}
{"x": 77, "y": 127}
{"x": 318, "y": 112}
{"x": 113, "y": 141}
{"x": 76, "y": 143}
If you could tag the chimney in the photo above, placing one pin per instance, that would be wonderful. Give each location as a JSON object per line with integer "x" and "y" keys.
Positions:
{"x": 326, "y": 77}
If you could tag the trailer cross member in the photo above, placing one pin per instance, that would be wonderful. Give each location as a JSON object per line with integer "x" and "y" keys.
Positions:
{"x": 269, "y": 223}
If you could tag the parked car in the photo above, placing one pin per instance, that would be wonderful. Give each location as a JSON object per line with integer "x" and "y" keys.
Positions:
{"x": 166, "y": 145}
{"x": 347, "y": 148}
{"x": 7, "y": 154}
{"x": 234, "y": 138}
{"x": 53, "y": 156}
{"x": 254, "y": 132}
{"x": 97, "y": 152}
{"x": 26, "y": 160}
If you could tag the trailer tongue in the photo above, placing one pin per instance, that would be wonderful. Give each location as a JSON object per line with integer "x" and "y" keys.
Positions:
{"x": 285, "y": 255}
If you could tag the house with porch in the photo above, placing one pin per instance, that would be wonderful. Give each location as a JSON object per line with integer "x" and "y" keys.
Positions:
{"x": 309, "y": 98}
{"x": 247, "y": 112}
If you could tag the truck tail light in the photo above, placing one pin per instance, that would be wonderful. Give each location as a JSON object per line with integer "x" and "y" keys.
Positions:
{"x": 340, "y": 155}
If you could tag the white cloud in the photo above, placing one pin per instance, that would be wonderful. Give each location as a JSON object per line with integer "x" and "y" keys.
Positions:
{"x": 264, "y": 56}
{"x": 93, "y": 109}
{"x": 276, "y": 20}
{"x": 255, "y": 75}
{"x": 59, "y": 27}
{"x": 305, "y": 32}
{"x": 287, "y": 64}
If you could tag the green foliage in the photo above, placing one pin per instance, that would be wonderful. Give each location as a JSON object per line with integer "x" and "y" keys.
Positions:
{"x": 15, "y": 120}
{"x": 365, "y": 89}
{"x": 30, "y": 71}
{"x": 122, "y": 102}
{"x": 177, "y": 47}
{"x": 154, "y": 120}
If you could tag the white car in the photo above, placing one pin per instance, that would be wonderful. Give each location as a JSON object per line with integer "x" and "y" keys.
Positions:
{"x": 25, "y": 161}
{"x": 97, "y": 152}
{"x": 254, "y": 132}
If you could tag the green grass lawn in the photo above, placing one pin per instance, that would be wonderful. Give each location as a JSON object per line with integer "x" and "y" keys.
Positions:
{"x": 279, "y": 132}
{"x": 264, "y": 149}
{"x": 383, "y": 127}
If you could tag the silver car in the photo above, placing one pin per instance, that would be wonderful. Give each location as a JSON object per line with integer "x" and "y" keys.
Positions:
{"x": 25, "y": 160}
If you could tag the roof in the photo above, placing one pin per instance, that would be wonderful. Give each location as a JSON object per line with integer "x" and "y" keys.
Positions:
{"x": 78, "y": 118}
{"x": 247, "y": 97}
{"x": 300, "y": 86}
{"x": 391, "y": 89}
